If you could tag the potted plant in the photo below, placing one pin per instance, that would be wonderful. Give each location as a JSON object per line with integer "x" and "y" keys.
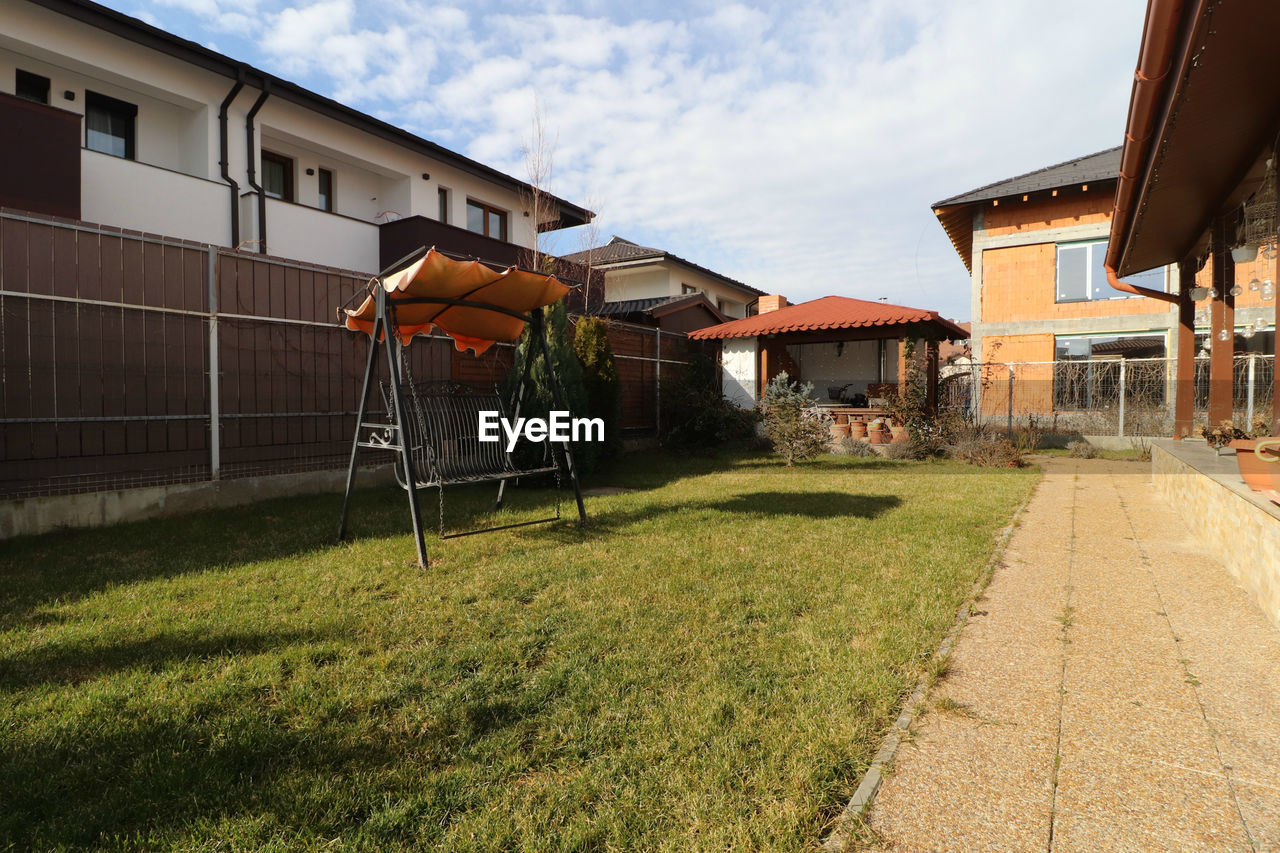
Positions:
{"x": 875, "y": 431}
{"x": 1256, "y": 451}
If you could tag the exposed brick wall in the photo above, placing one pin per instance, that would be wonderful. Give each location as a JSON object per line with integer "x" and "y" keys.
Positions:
{"x": 1010, "y": 217}
{"x": 1019, "y": 284}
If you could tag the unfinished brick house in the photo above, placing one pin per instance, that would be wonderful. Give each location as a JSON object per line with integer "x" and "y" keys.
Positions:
{"x": 1034, "y": 246}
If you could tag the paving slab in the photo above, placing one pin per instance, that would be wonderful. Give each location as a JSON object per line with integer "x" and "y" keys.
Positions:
{"x": 1115, "y": 689}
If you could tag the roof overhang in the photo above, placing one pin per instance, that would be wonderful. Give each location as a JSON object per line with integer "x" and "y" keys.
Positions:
{"x": 1203, "y": 117}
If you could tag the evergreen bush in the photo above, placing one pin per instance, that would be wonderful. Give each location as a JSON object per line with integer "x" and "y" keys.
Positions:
{"x": 796, "y": 431}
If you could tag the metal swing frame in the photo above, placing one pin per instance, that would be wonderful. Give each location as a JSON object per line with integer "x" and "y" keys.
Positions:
{"x": 398, "y": 434}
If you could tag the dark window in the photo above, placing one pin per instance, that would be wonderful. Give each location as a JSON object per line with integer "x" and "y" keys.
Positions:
{"x": 1082, "y": 274}
{"x": 486, "y": 220}
{"x": 277, "y": 176}
{"x": 33, "y": 87}
{"x": 444, "y": 205}
{"x": 326, "y": 190}
{"x": 687, "y": 288}
{"x": 109, "y": 125}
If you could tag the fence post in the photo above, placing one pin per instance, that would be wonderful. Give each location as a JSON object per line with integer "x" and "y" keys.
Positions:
{"x": 1010, "y": 400}
{"x": 215, "y": 427}
{"x": 1120, "y": 429}
{"x": 1253, "y": 364}
{"x": 657, "y": 385}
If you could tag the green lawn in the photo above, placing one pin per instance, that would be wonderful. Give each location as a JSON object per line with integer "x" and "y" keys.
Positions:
{"x": 709, "y": 667}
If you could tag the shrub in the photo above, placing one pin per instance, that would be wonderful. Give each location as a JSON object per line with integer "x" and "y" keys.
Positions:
{"x": 978, "y": 446}
{"x": 1082, "y": 449}
{"x": 856, "y": 447}
{"x": 795, "y": 430}
{"x": 600, "y": 380}
{"x": 695, "y": 413}
{"x": 911, "y": 449}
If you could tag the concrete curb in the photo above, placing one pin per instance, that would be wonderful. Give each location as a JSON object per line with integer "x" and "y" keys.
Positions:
{"x": 839, "y": 838}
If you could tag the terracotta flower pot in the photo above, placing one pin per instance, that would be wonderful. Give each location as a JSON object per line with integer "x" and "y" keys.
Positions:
{"x": 1258, "y": 474}
{"x": 842, "y": 419}
{"x": 839, "y": 431}
{"x": 857, "y": 429}
{"x": 876, "y": 435}
{"x": 900, "y": 434}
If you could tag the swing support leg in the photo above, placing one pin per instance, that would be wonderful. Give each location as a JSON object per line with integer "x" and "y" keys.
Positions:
{"x": 540, "y": 330}
{"x": 355, "y": 441}
{"x": 524, "y": 380}
{"x": 406, "y": 438}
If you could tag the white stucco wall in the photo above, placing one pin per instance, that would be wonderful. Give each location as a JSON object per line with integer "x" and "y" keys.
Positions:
{"x": 735, "y": 300}
{"x": 638, "y": 283}
{"x": 297, "y": 231}
{"x": 133, "y": 195}
{"x": 738, "y": 357}
{"x": 826, "y": 364}
{"x": 177, "y": 129}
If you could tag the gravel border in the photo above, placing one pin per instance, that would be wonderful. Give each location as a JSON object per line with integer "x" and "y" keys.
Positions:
{"x": 851, "y": 816}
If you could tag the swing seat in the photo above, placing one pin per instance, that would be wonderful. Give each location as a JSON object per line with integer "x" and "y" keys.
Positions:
{"x": 444, "y": 436}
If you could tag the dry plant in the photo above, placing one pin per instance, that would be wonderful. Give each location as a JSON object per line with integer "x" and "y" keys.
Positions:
{"x": 589, "y": 249}
{"x": 536, "y": 198}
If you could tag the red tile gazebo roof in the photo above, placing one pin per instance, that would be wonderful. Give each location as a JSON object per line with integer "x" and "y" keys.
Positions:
{"x": 831, "y": 313}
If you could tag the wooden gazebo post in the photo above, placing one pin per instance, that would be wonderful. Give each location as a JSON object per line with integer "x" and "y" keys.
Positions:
{"x": 1184, "y": 372}
{"x": 1222, "y": 317}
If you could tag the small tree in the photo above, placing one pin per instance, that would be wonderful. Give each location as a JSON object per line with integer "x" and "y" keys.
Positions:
{"x": 796, "y": 432}
{"x": 538, "y": 399}
{"x": 600, "y": 377}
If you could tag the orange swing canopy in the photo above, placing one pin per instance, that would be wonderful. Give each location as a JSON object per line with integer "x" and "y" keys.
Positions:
{"x": 436, "y": 276}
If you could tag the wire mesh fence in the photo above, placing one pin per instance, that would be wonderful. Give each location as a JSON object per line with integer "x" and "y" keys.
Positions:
{"x": 1121, "y": 397}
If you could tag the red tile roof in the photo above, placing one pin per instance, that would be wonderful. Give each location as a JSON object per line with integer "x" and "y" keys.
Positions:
{"x": 829, "y": 312}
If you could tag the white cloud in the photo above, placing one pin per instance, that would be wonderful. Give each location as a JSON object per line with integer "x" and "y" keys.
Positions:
{"x": 794, "y": 146}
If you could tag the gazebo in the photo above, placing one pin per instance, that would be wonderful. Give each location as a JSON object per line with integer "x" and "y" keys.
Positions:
{"x": 846, "y": 347}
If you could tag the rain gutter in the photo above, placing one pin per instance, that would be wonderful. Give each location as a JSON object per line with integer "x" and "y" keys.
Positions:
{"x": 250, "y": 149}
{"x": 1155, "y": 62}
{"x": 224, "y": 162}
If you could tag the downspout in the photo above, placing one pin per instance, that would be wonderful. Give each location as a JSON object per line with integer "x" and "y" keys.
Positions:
{"x": 226, "y": 170}
{"x": 251, "y": 145}
{"x": 1155, "y": 61}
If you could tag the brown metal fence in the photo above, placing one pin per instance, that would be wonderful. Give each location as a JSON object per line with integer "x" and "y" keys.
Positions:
{"x": 1121, "y": 396}
{"x": 131, "y": 359}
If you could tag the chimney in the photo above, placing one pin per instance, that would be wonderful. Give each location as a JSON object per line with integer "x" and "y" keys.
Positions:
{"x": 770, "y": 303}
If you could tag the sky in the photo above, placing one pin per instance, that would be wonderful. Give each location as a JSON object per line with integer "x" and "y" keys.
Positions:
{"x": 795, "y": 146}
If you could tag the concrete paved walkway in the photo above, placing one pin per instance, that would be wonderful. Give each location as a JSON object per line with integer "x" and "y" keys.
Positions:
{"x": 1114, "y": 690}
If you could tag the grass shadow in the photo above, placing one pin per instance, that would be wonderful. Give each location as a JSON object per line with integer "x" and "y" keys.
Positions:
{"x": 809, "y": 504}
{"x": 78, "y": 662}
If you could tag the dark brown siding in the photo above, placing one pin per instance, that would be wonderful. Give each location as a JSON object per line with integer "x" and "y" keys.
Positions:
{"x": 39, "y": 158}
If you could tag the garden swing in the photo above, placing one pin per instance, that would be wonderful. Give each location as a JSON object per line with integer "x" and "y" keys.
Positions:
{"x": 433, "y": 427}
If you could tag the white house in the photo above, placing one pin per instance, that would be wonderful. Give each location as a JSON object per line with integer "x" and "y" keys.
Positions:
{"x": 179, "y": 140}
{"x": 633, "y": 271}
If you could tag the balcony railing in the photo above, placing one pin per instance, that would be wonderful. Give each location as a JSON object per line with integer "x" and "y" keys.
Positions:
{"x": 39, "y": 158}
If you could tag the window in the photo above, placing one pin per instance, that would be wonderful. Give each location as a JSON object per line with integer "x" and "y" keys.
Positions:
{"x": 444, "y": 205}
{"x": 1082, "y": 276}
{"x": 686, "y": 289}
{"x": 326, "y": 189}
{"x": 33, "y": 87}
{"x": 486, "y": 220}
{"x": 277, "y": 176}
{"x": 109, "y": 125}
